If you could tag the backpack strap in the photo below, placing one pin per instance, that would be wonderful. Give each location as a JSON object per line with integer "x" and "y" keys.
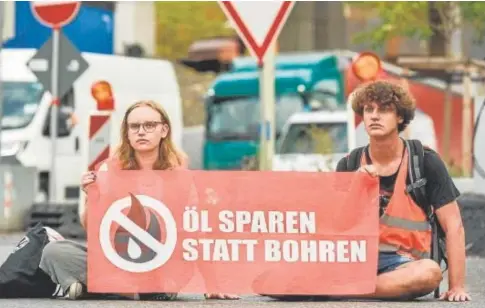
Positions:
{"x": 417, "y": 181}
{"x": 354, "y": 158}
{"x": 417, "y": 189}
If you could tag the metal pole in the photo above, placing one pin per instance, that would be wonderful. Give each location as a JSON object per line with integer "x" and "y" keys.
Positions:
{"x": 54, "y": 111}
{"x": 267, "y": 94}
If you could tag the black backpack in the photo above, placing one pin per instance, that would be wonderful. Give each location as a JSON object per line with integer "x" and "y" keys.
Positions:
{"x": 417, "y": 190}
{"x": 20, "y": 274}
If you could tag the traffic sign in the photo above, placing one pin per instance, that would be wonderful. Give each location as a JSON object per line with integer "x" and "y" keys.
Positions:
{"x": 258, "y": 23}
{"x": 55, "y": 14}
{"x": 71, "y": 65}
{"x": 56, "y": 57}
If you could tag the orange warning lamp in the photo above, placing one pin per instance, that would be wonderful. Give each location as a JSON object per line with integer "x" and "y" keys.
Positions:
{"x": 103, "y": 94}
{"x": 366, "y": 66}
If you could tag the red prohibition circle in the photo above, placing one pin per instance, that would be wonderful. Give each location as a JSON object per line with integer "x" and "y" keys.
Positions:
{"x": 55, "y": 14}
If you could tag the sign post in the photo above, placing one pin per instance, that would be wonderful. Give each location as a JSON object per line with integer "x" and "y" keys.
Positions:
{"x": 259, "y": 23}
{"x": 53, "y": 14}
{"x": 268, "y": 134}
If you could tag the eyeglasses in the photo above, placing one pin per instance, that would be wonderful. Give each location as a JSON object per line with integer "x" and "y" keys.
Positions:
{"x": 147, "y": 126}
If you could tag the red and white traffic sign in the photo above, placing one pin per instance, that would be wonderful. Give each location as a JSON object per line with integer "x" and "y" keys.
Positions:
{"x": 55, "y": 14}
{"x": 258, "y": 23}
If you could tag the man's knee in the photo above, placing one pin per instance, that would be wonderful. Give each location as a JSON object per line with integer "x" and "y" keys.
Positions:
{"x": 431, "y": 273}
{"x": 428, "y": 278}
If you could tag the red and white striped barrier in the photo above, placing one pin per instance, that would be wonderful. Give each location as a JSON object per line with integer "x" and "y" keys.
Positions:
{"x": 99, "y": 138}
{"x": 7, "y": 193}
{"x": 98, "y": 144}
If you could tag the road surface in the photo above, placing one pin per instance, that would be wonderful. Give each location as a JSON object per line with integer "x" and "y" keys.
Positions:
{"x": 475, "y": 280}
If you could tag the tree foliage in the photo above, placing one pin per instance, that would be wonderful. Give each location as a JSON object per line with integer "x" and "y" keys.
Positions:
{"x": 179, "y": 24}
{"x": 410, "y": 19}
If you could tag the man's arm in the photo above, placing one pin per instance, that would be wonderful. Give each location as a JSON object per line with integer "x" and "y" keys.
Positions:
{"x": 450, "y": 220}
{"x": 442, "y": 194}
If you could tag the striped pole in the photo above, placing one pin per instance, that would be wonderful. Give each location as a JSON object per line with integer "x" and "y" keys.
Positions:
{"x": 98, "y": 145}
{"x": 99, "y": 138}
{"x": 7, "y": 193}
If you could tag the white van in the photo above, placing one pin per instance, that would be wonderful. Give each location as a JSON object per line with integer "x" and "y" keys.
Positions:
{"x": 26, "y": 112}
{"x": 315, "y": 141}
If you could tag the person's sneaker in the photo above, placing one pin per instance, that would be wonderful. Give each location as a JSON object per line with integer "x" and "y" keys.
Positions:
{"x": 158, "y": 296}
{"x": 76, "y": 291}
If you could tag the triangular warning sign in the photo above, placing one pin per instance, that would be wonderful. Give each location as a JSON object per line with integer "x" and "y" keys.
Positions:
{"x": 258, "y": 23}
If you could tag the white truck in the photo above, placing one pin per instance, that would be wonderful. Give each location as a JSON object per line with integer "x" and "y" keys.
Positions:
{"x": 25, "y": 136}
{"x": 317, "y": 140}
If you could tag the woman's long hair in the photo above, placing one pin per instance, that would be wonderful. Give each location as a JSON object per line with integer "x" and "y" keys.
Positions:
{"x": 169, "y": 157}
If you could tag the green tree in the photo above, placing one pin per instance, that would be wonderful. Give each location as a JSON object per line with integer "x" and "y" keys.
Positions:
{"x": 179, "y": 24}
{"x": 411, "y": 19}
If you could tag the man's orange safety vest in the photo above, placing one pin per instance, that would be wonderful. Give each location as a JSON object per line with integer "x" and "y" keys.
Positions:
{"x": 404, "y": 226}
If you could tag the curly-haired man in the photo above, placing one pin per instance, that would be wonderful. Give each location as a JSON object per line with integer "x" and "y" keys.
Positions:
{"x": 387, "y": 109}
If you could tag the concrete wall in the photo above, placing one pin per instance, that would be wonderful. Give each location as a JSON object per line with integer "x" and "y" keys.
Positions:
{"x": 307, "y": 28}
{"x": 135, "y": 24}
{"x": 7, "y": 20}
{"x": 23, "y": 189}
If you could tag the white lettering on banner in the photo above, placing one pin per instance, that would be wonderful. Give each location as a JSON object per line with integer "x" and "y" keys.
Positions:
{"x": 218, "y": 250}
{"x": 290, "y": 222}
{"x": 193, "y": 222}
{"x": 315, "y": 251}
{"x": 271, "y": 222}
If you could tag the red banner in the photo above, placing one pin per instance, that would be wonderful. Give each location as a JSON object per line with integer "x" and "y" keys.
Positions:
{"x": 233, "y": 232}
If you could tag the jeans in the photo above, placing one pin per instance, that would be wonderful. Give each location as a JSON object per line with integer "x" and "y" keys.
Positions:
{"x": 389, "y": 261}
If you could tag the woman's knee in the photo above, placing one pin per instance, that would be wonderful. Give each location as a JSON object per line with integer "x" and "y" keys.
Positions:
{"x": 52, "y": 252}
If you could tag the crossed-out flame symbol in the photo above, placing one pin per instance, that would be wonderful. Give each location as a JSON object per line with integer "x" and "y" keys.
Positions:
{"x": 128, "y": 246}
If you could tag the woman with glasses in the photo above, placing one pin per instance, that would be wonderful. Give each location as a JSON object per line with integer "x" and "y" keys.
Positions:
{"x": 146, "y": 143}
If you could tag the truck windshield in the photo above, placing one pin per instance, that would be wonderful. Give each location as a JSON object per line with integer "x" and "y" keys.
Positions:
{"x": 20, "y": 102}
{"x": 315, "y": 138}
{"x": 238, "y": 118}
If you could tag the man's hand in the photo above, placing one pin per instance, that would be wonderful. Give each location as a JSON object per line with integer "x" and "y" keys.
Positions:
{"x": 220, "y": 296}
{"x": 370, "y": 169}
{"x": 456, "y": 295}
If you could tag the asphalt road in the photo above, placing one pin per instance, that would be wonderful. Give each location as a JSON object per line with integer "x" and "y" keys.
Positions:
{"x": 475, "y": 281}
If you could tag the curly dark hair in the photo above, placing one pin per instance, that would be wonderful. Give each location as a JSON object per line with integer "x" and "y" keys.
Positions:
{"x": 385, "y": 93}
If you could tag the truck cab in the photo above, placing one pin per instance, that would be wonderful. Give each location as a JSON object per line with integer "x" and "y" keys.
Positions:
{"x": 233, "y": 103}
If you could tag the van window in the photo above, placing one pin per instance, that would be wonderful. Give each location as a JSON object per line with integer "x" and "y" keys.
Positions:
{"x": 20, "y": 103}
{"x": 66, "y": 109}
{"x": 315, "y": 138}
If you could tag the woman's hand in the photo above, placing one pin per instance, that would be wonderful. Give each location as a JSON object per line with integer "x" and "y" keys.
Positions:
{"x": 220, "y": 296}
{"x": 87, "y": 179}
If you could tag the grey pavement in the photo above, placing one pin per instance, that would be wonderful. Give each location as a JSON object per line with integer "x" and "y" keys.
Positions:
{"x": 475, "y": 282}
